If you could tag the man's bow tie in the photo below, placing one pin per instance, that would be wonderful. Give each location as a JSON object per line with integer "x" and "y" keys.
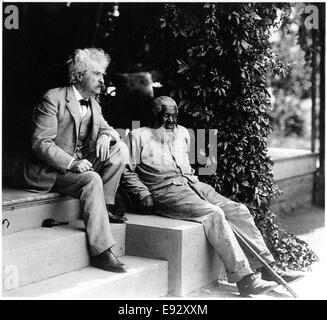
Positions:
{"x": 84, "y": 102}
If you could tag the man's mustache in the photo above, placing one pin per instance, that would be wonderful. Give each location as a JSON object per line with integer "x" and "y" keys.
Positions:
{"x": 170, "y": 123}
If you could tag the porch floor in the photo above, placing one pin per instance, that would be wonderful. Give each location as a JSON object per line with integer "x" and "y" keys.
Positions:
{"x": 14, "y": 197}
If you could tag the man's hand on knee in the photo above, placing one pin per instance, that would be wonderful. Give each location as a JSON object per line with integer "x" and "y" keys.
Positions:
{"x": 103, "y": 147}
{"x": 147, "y": 204}
{"x": 79, "y": 166}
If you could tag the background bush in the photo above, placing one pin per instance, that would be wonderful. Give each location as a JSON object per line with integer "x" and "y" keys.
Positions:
{"x": 290, "y": 115}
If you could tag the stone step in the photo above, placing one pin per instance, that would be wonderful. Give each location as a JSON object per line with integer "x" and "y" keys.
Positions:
{"x": 26, "y": 210}
{"x": 297, "y": 193}
{"x": 144, "y": 278}
{"x": 192, "y": 262}
{"x": 40, "y": 253}
{"x": 294, "y": 172}
{"x": 291, "y": 163}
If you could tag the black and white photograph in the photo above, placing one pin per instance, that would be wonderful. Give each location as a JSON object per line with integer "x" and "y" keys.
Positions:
{"x": 163, "y": 151}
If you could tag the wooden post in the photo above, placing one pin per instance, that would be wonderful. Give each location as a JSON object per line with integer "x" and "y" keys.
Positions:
{"x": 320, "y": 177}
{"x": 313, "y": 90}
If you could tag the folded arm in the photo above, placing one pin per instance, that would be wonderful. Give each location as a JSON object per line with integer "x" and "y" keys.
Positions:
{"x": 130, "y": 179}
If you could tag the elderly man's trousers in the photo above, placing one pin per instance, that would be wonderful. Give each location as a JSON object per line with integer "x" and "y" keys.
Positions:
{"x": 95, "y": 189}
{"x": 201, "y": 203}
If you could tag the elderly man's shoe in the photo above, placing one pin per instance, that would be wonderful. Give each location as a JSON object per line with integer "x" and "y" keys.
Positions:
{"x": 107, "y": 261}
{"x": 116, "y": 212}
{"x": 115, "y": 218}
{"x": 253, "y": 284}
{"x": 287, "y": 275}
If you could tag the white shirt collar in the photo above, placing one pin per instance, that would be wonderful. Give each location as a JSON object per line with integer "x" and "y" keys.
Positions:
{"x": 77, "y": 94}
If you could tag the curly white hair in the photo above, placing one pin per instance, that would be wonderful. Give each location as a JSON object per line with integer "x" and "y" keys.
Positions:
{"x": 80, "y": 61}
{"x": 162, "y": 101}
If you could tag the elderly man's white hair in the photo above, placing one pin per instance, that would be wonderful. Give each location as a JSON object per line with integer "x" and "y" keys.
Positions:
{"x": 80, "y": 61}
{"x": 159, "y": 102}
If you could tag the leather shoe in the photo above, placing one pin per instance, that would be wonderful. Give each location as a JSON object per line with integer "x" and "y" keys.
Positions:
{"x": 253, "y": 284}
{"x": 116, "y": 219}
{"x": 287, "y": 275}
{"x": 116, "y": 212}
{"x": 107, "y": 261}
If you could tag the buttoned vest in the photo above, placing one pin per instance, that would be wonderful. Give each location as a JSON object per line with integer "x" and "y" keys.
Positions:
{"x": 84, "y": 131}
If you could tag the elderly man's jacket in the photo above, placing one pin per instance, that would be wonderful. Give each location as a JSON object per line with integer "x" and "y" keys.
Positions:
{"x": 56, "y": 122}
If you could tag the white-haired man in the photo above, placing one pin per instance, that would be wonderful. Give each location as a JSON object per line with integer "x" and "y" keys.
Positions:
{"x": 75, "y": 152}
{"x": 159, "y": 175}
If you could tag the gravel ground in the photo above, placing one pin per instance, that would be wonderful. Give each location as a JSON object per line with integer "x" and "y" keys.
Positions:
{"x": 309, "y": 225}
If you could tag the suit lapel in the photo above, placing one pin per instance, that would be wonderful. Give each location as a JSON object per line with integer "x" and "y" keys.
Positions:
{"x": 72, "y": 106}
{"x": 95, "y": 119}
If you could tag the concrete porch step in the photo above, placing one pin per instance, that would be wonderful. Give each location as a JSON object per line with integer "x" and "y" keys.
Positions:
{"x": 26, "y": 210}
{"x": 192, "y": 262}
{"x": 144, "y": 278}
{"x": 40, "y": 253}
{"x": 294, "y": 172}
{"x": 290, "y": 163}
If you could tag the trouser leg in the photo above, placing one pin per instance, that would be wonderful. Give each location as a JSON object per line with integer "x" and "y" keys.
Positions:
{"x": 239, "y": 216}
{"x": 87, "y": 187}
{"x": 111, "y": 169}
{"x": 181, "y": 202}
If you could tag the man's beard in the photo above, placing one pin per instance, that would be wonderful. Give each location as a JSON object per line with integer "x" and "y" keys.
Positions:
{"x": 170, "y": 125}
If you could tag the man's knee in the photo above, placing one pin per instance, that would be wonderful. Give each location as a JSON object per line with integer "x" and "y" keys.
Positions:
{"x": 219, "y": 212}
{"x": 91, "y": 178}
{"x": 244, "y": 208}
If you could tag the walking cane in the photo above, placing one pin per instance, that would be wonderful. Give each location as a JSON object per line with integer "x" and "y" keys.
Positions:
{"x": 276, "y": 277}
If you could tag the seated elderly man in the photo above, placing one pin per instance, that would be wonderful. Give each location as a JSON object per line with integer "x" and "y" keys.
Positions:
{"x": 160, "y": 176}
{"x": 75, "y": 152}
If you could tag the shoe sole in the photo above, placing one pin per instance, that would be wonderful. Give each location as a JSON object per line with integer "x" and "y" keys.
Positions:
{"x": 122, "y": 270}
{"x": 112, "y": 270}
{"x": 117, "y": 271}
{"x": 117, "y": 220}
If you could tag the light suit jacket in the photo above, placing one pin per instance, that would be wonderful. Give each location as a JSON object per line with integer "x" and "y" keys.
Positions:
{"x": 56, "y": 120}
